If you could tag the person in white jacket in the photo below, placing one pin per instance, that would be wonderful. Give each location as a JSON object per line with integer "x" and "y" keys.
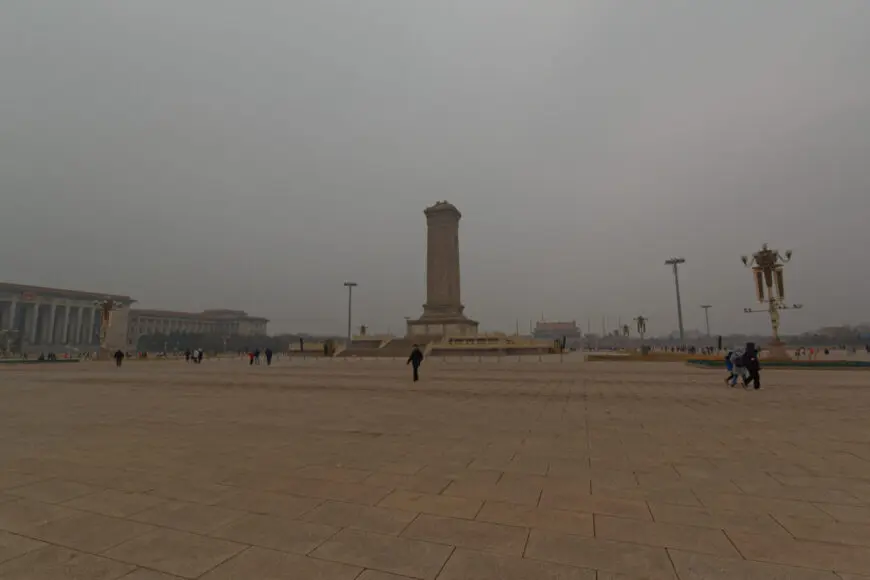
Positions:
{"x": 734, "y": 363}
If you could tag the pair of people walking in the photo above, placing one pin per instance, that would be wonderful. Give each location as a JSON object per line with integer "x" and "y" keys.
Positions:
{"x": 743, "y": 364}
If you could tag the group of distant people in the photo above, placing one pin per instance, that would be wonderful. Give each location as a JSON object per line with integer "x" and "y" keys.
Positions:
{"x": 742, "y": 363}
{"x": 813, "y": 353}
{"x": 254, "y": 356}
{"x": 415, "y": 359}
{"x": 194, "y": 355}
{"x": 810, "y": 353}
{"x": 118, "y": 355}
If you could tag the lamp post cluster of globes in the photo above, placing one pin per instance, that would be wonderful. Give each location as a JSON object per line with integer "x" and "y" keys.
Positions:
{"x": 767, "y": 269}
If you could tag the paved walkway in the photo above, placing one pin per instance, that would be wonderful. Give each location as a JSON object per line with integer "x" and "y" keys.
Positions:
{"x": 335, "y": 470}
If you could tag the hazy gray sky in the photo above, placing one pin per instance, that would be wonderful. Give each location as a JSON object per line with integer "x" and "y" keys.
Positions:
{"x": 254, "y": 155}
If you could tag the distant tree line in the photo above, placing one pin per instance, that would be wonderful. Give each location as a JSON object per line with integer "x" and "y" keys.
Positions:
{"x": 178, "y": 342}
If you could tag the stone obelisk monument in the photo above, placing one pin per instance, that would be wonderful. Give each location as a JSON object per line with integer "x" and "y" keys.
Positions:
{"x": 443, "y": 312}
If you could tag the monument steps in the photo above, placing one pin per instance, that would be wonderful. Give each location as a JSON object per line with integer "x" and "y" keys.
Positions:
{"x": 391, "y": 348}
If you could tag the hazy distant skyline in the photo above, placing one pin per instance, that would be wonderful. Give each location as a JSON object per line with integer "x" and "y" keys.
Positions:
{"x": 216, "y": 154}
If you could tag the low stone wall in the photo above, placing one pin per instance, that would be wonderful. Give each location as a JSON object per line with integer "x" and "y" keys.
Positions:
{"x": 489, "y": 351}
{"x": 361, "y": 343}
{"x": 651, "y": 357}
{"x": 825, "y": 365}
{"x": 396, "y": 348}
{"x": 33, "y": 350}
{"x": 32, "y": 361}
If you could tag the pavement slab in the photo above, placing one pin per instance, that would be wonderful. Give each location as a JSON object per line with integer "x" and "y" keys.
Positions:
{"x": 345, "y": 470}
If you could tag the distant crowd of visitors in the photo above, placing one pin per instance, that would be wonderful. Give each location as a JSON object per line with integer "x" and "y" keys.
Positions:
{"x": 194, "y": 355}
{"x": 742, "y": 363}
{"x": 813, "y": 353}
{"x": 254, "y": 356}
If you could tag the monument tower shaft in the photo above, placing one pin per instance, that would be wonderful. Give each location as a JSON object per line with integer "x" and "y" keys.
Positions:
{"x": 442, "y": 262}
{"x": 443, "y": 311}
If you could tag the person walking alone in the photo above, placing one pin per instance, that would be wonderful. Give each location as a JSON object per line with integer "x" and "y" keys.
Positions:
{"x": 268, "y": 353}
{"x": 415, "y": 360}
{"x": 119, "y": 357}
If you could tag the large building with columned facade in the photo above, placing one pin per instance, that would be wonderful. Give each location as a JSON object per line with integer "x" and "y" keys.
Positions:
{"x": 37, "y": 319}
{"x": 220, "y": 322}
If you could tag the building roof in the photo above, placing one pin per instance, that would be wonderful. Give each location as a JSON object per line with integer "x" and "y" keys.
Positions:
{"x": 555, "y": 326}
{"x": 61, "y": 292}
{"x": 208, "y": 315}
{"x": 163, "y": 313}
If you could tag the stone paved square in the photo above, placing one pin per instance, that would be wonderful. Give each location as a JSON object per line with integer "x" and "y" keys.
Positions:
{"x": 345, "y": 469}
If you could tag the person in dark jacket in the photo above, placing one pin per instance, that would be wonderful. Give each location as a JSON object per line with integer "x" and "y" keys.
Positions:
{"x": 268, "y": 353}
{"x": 119, "y": 357}
{"x": 414, "y": 360}
{"x": 752, "y": 366}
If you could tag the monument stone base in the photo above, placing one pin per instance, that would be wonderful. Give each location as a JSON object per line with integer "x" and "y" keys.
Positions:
{"x": 777, "y": 351}
{"x": 441, "y": 327}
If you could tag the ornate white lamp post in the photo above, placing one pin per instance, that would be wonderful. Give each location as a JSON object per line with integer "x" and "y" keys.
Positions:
{"x": 767, "y": 270}
{"x": 641, "y": 326}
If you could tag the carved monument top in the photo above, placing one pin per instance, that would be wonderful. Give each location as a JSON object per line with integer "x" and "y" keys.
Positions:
{"x": 442, "y": 207}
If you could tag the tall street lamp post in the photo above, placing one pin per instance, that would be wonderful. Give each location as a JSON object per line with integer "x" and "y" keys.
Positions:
{"x": 350, "y": 287}
{"x": 707, "y": 308}
{"x": 676, "y": 262}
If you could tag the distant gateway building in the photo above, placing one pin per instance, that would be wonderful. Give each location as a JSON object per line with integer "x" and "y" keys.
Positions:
{"x": 220, "y": 322}
{"x": 557, "y": 330}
